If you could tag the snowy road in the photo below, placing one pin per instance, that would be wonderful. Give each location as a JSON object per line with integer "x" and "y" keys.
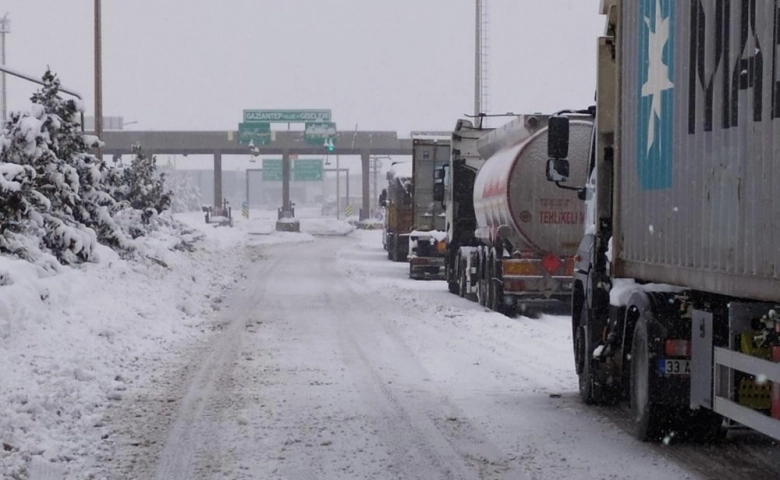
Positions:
{"x": 328, "y": 364}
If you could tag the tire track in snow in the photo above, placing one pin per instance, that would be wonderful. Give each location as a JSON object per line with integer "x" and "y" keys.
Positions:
{"x": 193, "y": 429}
{"x": 440, "y": 433}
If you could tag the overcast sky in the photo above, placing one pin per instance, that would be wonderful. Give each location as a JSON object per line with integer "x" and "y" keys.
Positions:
{"x": 384, "y": 65}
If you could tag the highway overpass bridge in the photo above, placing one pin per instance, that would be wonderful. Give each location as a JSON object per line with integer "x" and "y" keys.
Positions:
{"x": 284, "y": 143}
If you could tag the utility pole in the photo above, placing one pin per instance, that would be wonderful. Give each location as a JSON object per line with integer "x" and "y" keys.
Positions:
{"x": 478, "y": 60}
{"x": 98, "y": 74}
{"x": 481, "y": 58}
{"x": 5, "y": 27}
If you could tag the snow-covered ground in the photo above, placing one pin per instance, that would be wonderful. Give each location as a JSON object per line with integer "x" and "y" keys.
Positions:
{"x": 332, "y": 365}
{"x": 266, "y": 355}
{"x": 73, "y": 342}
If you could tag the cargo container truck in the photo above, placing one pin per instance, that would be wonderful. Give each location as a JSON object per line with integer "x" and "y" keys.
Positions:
{"x": 399, "y": 214}
{"x": 427, "y": 240}
{"x": 677, "y": 284}
{"x": 511, "y": 237}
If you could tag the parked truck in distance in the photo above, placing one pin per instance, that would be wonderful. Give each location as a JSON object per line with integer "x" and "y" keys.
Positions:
{"x": 512, "y": 237}
{"x": 399, "y": 212}
{"x": 677, "y": 287}
{"x": 427, "y": 240}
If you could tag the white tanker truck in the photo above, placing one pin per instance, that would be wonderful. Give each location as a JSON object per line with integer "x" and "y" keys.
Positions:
{"x": 511, "y": 237}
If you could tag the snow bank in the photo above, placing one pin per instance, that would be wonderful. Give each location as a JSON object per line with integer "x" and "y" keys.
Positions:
{"x": 622, "y": 288}
{"x": 256, "y": 230}
{"x": 326, "y": 227}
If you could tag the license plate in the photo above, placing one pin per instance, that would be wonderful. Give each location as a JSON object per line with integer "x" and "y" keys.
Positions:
{"x": 675, "y": 367}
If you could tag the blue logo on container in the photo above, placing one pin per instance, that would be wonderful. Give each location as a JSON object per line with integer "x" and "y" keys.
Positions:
{"x": 656, "y": 93}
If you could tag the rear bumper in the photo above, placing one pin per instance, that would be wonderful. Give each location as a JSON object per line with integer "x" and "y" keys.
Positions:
{"x": 539, "y": 288}
{"x": 426, "y": 268}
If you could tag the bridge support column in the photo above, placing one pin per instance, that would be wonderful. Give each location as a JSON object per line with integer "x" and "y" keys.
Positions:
{"x": 365, "y": 157}
{"x": 286, "y": 207}
{"x": 217, "y": 179}
{"x": 286, "y": 222}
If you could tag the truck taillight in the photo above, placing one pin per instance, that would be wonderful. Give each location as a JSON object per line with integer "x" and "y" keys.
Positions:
{"x": 677, "y": 348}
{"x": 519, "y": 267}
{"x": 441, "y": 247}
{"x": 551, "y": 263}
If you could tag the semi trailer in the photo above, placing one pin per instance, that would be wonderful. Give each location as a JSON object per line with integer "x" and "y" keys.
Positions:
{"x": 677, "y": 284}
{"x": 427, "y": 240}
{"x": 512, "y": 238}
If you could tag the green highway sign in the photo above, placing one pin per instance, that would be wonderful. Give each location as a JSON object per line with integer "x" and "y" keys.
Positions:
{"x": 286, "y": 116}
{"x": 272, "y": 169}
{"x": 255, "y": 133}
{"x": 317, "y": 132}
{"x": 307, "y": 170}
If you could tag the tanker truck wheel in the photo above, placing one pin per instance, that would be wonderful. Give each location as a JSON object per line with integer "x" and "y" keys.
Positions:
{"x": 496, "y": 290}
{"x": 451, "y": 271}
{"x": 481, "y": 283}
{"x": 453, "y": 287}
{"x": 462, "y": 278}
{"x": 490, "y": 284}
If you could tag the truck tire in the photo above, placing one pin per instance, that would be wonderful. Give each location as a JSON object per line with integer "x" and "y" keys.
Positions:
{"x": 481, "y": 284}
{"x": 490, "y": 284}
{"x": 453, "y": 280}
{"x": 390, "y": 248}
{"x": 646, "y": 416}
{"x": 592, "y": 392}
{"x": 462, "y": 277}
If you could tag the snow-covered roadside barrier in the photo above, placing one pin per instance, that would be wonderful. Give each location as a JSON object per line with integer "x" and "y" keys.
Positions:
{"x": 73, "y": 342}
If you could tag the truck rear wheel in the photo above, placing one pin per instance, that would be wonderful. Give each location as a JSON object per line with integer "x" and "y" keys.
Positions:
{"x": 481, "y": 290}
{"x": 390, "y": 248}
{"x": 646, "y": 416}
{"x": 490, "y": 284}
{"x": 592, "y": 391}
{"x": 462, "y": 277}
{"x": 453, "y": 285}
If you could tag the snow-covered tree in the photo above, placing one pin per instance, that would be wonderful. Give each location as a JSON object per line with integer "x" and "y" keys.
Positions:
{"x": 65, "y": 197}
{"x": 186, "y": 196}
{"x": 143, "y": 187}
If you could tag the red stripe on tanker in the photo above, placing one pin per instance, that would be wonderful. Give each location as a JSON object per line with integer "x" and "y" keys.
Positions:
{"x": 510, "y": 189}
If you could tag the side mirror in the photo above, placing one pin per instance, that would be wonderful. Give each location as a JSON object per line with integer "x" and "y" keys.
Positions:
{"x": 439, "y": 174}
{"x": 558, "y": 137}
{"x": 438, "y": 192}
{"x": 557, "y": 170}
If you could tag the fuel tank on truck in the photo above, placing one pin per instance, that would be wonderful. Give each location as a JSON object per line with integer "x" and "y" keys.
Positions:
{"x": 511, "y": 192}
